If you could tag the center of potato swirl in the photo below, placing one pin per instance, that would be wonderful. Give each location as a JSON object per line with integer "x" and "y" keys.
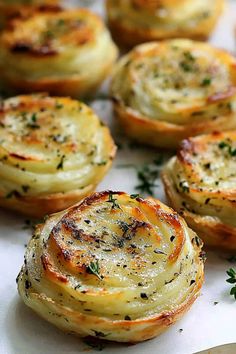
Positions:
{"x": 177, "y": 81}
{"x": 124, "y": 250}
{"x": 50, "y": 145}
{"x": 46, "y": 133}
{"x": 170, "y": 80}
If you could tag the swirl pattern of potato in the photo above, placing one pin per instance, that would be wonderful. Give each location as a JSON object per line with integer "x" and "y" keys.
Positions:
{"x": 53, "y": 152}
{"x": 63, "y": 52}
{"x": 167, "y": 91}
{"x": 114, "y": 266}
{"x": 136, "y": 21}
{"x": 200, "y": 183}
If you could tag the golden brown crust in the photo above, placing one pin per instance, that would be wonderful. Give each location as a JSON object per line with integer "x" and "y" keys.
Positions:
{"x": 14, "y": 9}
{"x": 73, "y": 87}
{"x": 128, "y": 38}
{"x": 133, "y": 22}
{"x": 115, "y": 266}
{"x": 167, "y": 91}
{"x": 61, "y": 151}
{"x": 64, "y": 52}
{"x": 200, "y": 184}
{"x": 45, "y": 204}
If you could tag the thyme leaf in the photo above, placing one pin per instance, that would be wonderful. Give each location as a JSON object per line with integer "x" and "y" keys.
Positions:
{"x": 61, "y": 163}
{"x": 232, "y": 280}
{"x": 93, "y": 268}
{"x": 113, "y": 201}
{"x": 147, "y": 176}
{"x": 225, "y": 145}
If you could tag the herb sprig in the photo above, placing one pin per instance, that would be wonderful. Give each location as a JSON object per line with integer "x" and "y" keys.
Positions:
{"x": 225, "y": 145}
{"x": 61, "y": 163}
{"x": 33, "y": 122}
{"x": 232, "y": 280}
{"x": 147, "y": 176}
{"x": 113, "y": 200}
{"x": 93, "y": 268}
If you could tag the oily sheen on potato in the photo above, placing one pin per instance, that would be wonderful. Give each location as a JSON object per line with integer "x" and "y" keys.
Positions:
{"x": 53, "y": 152}
{"x": 136, "y": 21}
{"x": 167, "y": 91}
{"x": 115, "y": 266}
{"x": 200, "y": 183}
{"x": 63, "y": 52}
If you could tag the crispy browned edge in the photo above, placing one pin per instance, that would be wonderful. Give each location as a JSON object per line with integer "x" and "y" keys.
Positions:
{"x": 214, "y": 233}
{"x": 163, "y": 134}
{"x": 74, "y": 86}
{"x": 128, "y": 36}
{"x": 38, "y": 206}
{"x": 155, "y": 324}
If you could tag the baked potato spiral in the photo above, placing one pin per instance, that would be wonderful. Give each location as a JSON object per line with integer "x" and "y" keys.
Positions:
{"x": 115, "y": 266}
{"x": 12, "y": 8}
{"x": 200, "y": 183}
{"x": 53, "y": 152}
{"x": 64, "y": 52}
{"x": 167, "y": 91}
{"x": 136, "y": 21}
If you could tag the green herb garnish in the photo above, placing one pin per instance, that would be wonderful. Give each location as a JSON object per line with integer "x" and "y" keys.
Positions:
{"x": 12, "y": 194}
{"x": 225, "y": 145}
{"x": 206, "y": 82}
{"x": 147, "y": 176}
{"x": 134, "y": 196}
{"x": 59, "y": 105}
{"x": 189, "y": 56}
{"x": 32, "y": 122}
{"x": 184, "y": 186}
{"x": 102, "y": 163}
{"x": 61, "y": 163}
{"x": 185, "y": 66}
{"x": 113, "y": 201}
{"x": 232, "y": 280}
{"x": 93, "y": 268}
{"x": 25, "y": 188}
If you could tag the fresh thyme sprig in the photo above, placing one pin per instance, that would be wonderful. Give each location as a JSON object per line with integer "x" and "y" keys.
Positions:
{"x": 93, "y": 268}
{"x": 33, "y": 122}
{"x": 61, "y": 163}
{"x": 232, "y": 280}
{"x": 226, "y": 145}
{"x": 147, "y": 175}
{"x": 113, "y": 201}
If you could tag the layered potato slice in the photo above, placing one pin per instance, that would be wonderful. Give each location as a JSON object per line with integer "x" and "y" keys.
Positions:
{"x": 64, "y": 52}
{"x": 53, "y": 152}
{"x": 167, "y": 91}
{"x": 114, "y": 266}
{"x": 12, "y": 8}
{"x": 200, "y": 183}
{"x": 136, "y": 21}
